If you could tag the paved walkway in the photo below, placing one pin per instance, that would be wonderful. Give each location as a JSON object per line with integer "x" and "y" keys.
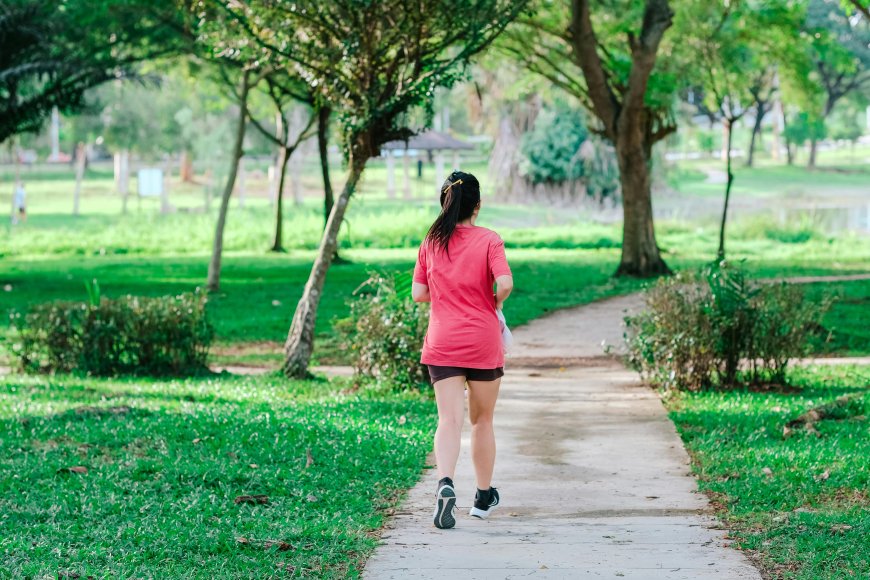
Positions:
{"x": 593, "y": 478}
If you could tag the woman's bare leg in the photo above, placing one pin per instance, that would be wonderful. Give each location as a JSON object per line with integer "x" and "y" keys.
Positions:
{"x": 482, "y": 396}
{"x": 450, "y": 397}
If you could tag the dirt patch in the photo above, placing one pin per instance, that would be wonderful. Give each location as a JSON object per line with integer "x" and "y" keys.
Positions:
{"x": 556, "y": 362}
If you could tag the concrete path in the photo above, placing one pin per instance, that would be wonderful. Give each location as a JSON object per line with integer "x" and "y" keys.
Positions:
{"x": 593, "y": 478}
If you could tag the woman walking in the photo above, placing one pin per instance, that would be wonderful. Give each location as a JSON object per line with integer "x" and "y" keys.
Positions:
{"x": 457, "y": 265}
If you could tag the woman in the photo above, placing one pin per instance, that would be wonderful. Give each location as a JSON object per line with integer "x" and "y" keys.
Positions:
{"x": 457, "y": 265}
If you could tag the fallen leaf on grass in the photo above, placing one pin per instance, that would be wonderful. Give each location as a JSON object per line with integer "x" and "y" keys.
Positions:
{"x": 786, "y": 432}
{"x": 266, "y": 544}
{"x": 311, "y": 497}
{"x": 309, "y": 460}
{"x": 253, "y": 466}
{"x": 252, "y": 499}
{"x": 767, "y": 471}
{"x": 402, "y": 420}
{"x": 840, "y": 528}
{"x": 823, "y": 476}
{"x": 74, "y": 469}
{"x": 197, "y": 440}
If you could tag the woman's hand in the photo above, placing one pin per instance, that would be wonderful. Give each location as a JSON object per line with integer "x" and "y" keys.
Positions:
{"x": 503, "y": 287}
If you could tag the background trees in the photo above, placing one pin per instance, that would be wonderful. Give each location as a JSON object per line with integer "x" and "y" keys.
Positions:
{"x": 371, "y": 64}
{"x": 50, "y": 58}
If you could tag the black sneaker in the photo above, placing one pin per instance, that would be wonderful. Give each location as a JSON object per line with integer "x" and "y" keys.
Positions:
{"x": 484, "y": 502}
{"x": 445, "y": 502}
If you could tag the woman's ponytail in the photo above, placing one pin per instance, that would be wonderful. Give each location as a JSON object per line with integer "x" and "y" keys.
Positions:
{"x": 460, "y": 195}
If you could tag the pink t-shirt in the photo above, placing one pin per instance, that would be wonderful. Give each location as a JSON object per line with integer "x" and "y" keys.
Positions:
{"x": 463, "y": 327}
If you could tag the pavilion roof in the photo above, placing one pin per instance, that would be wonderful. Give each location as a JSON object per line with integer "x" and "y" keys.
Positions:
{"x": 429, "y": 141}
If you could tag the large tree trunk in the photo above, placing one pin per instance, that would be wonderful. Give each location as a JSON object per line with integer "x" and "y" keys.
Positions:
{"x": 640, "y": 253}
{"x": 300, "y": 338}
{"x": 278, "y": 238}
{"x": 814, "y": 145}
{"x": 721, "y": 253}
{"x": 323, "y": 147}
{"x": 629, "y": 126}
{"x": 214, "y": 266}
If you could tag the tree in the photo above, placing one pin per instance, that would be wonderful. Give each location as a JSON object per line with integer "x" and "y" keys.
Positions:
{"x": 739, "y": 48}
{"x": 609, "y": 64}
{"x": 240, "y": 68}
{"x": 283, "y": 91}
{"x": 839, "y": 52}
{"x": 370, "y": 63}
{"x": 50, "y": 57}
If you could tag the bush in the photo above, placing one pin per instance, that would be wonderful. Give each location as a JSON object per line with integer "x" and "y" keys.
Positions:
{"x": 131, "y": 335}
{"x": 550, "y": 151}
{"x": 385, "y": 332}
{"x": 716, "y": 328}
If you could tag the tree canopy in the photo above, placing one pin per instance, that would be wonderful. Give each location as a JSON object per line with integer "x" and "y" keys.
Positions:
{"x": 51, "y": 53}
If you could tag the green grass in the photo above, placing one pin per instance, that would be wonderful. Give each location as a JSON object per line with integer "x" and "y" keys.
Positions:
{"x": 799, "y": 504}
{"x": 771, "y": 181}
{"x": 847, "y": 319}
{"x": 165, "y": 461}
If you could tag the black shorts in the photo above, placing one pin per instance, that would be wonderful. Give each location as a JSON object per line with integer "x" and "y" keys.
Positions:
{"x": 437, "y": 373}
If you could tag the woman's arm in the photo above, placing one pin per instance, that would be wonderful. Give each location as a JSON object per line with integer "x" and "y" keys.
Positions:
{"x": 420, "y": 292}
{"x": 503, "y": 287}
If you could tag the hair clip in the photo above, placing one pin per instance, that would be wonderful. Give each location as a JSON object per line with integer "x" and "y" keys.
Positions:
{"x": 449, "y": 188}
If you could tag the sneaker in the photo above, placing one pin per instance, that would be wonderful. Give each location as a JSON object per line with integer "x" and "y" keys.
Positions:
{"x": 445, "y": 502}
{"x": 484, "y": 502}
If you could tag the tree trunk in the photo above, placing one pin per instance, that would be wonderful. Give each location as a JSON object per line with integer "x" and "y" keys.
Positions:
{"x": 813, "y": 148}
{"x": 81, "y": 163}
{"x": 300, "y": 338}
{"x": 323, "y": 146}
{"x": 278, "y": 239}
{"x": 186, "y": 167}
{"x": 721, "y": 253}
{"x": 640, "y": 253}
{"x": 760, "y": 112}
{"x": 214, "y": 267}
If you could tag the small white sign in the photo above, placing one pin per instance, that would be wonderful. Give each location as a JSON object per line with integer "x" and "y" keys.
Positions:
{"x": 150, "y": 182}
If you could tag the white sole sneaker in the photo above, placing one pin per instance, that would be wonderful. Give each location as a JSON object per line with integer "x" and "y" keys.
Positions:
{"x": 444, "y": 505}
{"x": 483, "y": 514}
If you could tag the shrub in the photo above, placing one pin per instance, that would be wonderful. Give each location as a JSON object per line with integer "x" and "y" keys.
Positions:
{"x": 385, "y": 332}
{"x": 717, "y": 327}
{"x": 131, "y": 335}
{"x": 550, "y": 151}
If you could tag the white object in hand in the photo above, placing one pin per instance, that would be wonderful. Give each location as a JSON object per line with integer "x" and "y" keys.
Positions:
{"x": 507, "y": 338}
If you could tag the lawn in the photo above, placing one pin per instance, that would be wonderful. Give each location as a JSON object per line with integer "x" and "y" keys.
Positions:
{"x": 167, "y": 461}
{"x": 797, "y": 500}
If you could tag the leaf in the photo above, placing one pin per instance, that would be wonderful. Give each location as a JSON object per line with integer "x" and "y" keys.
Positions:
{"x": 75, "y": 469}
{"x": 311, "y": 497}
{"x": 840, "y": 528}
{"x": 252, "y": 499}
{"x": 197, "y": 440}
{"x": 309, "y": 460}
{"x": 253, "y": 466}
{"x": 403, "y": 420}
{"x": 767, "y": 471}
{"x": 823, "y": 476}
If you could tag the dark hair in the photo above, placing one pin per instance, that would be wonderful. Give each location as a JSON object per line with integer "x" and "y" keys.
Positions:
{"x": 460, "y": 195}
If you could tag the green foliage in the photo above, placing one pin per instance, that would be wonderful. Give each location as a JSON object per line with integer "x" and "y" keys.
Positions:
{"x": 701, "y": 331}
{"x": 385, "y": 332}
{"x": 551, "y": 150}
{"x": 103, "y": 337}
{"x": 803, "y": 127}
{"x": 49, "y": 57}
{"x": 166, "y": 461}
{"x": 370, "y": 67}
{"x": 796, "y": 499}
